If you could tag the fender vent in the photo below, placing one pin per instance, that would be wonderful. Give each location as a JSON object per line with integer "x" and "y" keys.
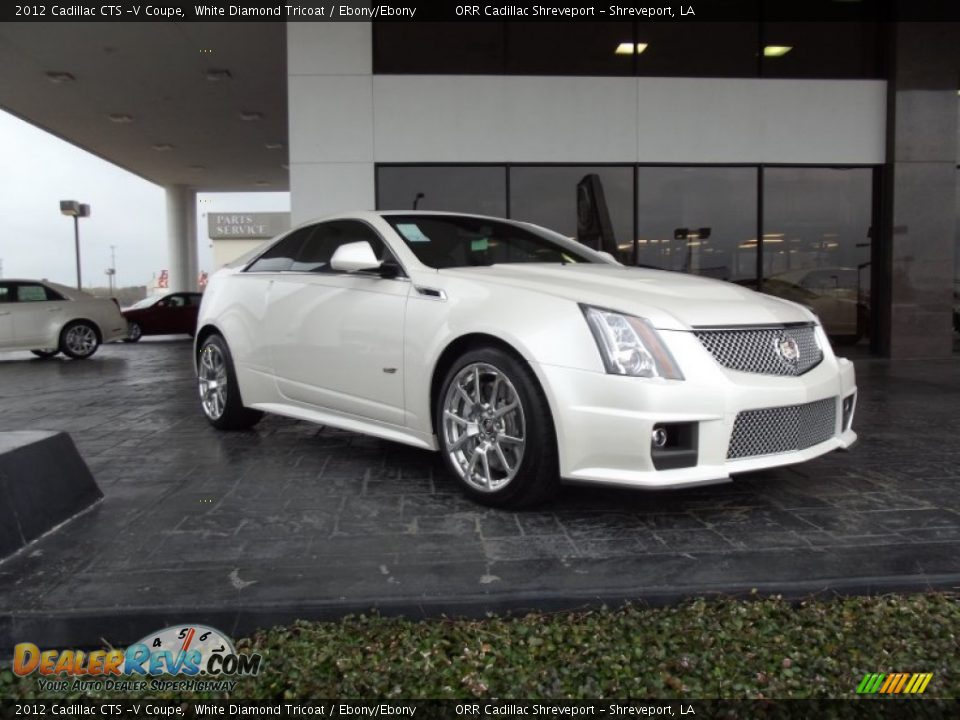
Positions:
{"x": 431, "y": 293}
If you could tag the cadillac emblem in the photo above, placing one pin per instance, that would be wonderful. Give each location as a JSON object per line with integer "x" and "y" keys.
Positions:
{"x": 788, "y": 349}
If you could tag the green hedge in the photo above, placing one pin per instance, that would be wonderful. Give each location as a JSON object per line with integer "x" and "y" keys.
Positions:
{"x": 700, "y": 649}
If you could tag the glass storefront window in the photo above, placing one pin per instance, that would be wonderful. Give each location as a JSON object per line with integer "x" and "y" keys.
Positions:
{"x": 701, "y": 220}
{"x": 698, "y": 49}
{"x": 849, "y": 47}
{"x": 547, "y": 196}
{"x": 480, "y": 189}
{"x": 569, "y": 48}
{"x": 816, "y": 243}
{"x": 821, "y": 49}
{"x": 438, "y": 48}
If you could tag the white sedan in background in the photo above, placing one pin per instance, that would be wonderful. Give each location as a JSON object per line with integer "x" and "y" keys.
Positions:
{"x": 46, "y": 318}
{"x": 523, "y": 357}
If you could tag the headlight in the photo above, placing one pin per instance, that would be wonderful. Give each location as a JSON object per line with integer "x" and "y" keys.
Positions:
{"x": 629, "y": 345}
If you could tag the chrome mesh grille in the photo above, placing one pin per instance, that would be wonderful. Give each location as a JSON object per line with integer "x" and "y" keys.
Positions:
{"x": 755, "y": 350}
{"x": 782, "y": 429}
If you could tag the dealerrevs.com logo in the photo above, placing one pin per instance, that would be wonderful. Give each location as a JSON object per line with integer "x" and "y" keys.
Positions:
{"x": 197, "y": 656}
{"x": 894, "y": 683}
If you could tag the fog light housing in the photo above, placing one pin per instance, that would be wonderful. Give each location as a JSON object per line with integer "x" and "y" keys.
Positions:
{"x": 849, "y": 403}
{"x": 674, "y": 445}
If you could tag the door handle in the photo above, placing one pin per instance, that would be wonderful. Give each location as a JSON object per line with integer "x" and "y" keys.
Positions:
{"x": 56, "y": 309}
{"x": 4, "y": 313}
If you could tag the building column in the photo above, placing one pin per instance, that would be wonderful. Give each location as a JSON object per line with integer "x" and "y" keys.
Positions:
{"x": 918, "y": 220}
{"x": 330, "y": 109}
{"x": 182, "y": 237}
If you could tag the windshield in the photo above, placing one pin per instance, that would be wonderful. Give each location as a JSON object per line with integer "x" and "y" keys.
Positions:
{"x": 442, "y": 241}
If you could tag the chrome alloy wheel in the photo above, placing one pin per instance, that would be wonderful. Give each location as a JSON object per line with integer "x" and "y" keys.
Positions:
{"x": 134, "y": 331}
{"x": 212, "y": 377}
{"x": 81, "y": 340}
{"x": 484, "y": 429}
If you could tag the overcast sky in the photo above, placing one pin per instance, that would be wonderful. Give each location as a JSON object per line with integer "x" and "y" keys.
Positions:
{"x": 37, "y": 170}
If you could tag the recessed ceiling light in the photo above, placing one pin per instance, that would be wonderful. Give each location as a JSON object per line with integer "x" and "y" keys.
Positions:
{"x": 776, "y": 50}
{"x": 162, "y": 147}
{"x": 630, "y": 48}
{"x": 120, "y": 118}
{"x": 59, "y": 77}
{"x": 262, "y": 183}
{"x": 273, "y": 146}
{"x": 251, "y": 115}
{"x": 285, "y": 166}
{"x": 218, "y": 75}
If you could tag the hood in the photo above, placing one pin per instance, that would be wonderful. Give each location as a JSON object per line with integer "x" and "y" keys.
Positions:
{"x": 670, "y": 300}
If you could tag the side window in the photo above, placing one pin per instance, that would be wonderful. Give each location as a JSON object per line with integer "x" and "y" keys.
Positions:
{"x": 31, "y": 293}
{"x": 317, "y": 251}
{"x": 280, "y": 257}
{"x": 6, "y": 294}
{"x": 194, "y": 300}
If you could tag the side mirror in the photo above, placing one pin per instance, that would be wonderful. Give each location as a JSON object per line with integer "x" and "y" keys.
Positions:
{"x": 354, "y": 257}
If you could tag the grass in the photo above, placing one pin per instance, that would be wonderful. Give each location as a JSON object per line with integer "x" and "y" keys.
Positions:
{"x": 754, "y": 648}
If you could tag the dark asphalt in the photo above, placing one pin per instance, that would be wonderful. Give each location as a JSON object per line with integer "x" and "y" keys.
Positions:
{"x": 295, "y": 521}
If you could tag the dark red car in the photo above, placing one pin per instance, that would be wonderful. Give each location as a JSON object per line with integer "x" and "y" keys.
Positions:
{"x": 172, "y": 314}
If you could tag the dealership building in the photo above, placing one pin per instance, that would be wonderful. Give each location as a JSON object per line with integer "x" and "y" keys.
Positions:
{"x": 818, "y": 160}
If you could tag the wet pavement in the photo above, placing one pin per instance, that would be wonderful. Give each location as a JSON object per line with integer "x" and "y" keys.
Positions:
{"x": 290, "y": 520}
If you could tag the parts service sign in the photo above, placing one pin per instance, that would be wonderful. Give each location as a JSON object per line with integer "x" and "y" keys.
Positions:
{"x": 181, "y": 658}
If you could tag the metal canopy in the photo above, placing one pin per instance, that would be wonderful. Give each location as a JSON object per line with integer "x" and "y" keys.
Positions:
{"x": 148, "y": 97}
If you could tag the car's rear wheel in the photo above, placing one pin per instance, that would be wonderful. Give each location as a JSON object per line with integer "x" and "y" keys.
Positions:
{"x": 79, "y": 340}
{"x": 45, "y": 353}
{"x": 219, "y": 392}
{"x": 134, "y": 332}
{"x": 496, "y": 432}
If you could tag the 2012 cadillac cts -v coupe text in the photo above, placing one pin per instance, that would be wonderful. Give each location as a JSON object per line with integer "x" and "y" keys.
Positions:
{"x": 520, "y": 355}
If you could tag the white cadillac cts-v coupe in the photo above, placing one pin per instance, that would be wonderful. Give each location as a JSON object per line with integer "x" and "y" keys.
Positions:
{"x": 520, "y": 355}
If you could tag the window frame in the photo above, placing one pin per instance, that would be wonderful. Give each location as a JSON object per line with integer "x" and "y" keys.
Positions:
{"x": 402, "y": 274}
{"x": 50, "y": 295}
{"x": 248, "y": 268}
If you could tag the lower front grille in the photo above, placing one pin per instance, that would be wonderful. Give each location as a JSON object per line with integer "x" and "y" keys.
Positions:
{"x": 769, "y": 431}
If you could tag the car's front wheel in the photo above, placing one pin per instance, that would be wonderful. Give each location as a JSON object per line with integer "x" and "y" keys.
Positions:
{"x": 79, "y": 340}
{"x": 219, "y": 392}
{"x": 496, "y": 432}
{"x": 134, "y": 333}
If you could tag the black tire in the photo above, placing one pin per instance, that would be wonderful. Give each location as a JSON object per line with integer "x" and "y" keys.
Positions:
{"x": 79, "y": 339}
{"x": 232, "y": 414}
{"x": 45, "y": 353}
{"x": 134, "y": 333}
{"x": 536, "y": 478}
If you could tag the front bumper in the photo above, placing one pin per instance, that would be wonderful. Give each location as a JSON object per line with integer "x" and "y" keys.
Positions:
{"x": 604, "y": 422}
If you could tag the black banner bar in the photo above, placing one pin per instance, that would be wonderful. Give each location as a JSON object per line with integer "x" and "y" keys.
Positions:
{"x": 865, "y": 708}
{"x": 454, "y": 11}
